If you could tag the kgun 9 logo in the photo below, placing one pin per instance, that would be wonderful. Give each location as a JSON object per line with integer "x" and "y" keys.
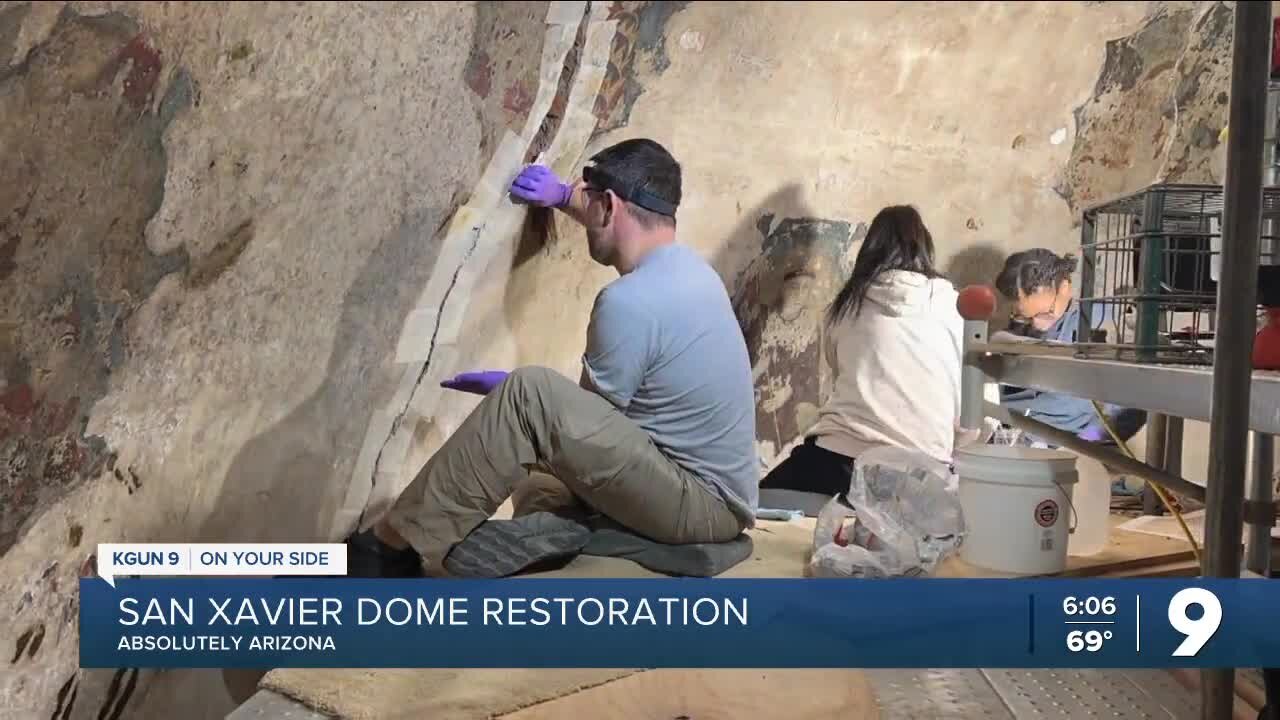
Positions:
{"x": 1200, "y": 630}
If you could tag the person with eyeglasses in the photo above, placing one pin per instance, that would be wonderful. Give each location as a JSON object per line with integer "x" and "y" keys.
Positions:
{"x": 1037, "y": 283}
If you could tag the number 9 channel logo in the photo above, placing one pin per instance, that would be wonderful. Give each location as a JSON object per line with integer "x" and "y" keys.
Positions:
{"x": 1198, "y": 631}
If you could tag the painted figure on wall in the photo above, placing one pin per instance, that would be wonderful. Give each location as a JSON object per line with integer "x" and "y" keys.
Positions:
{"x": 780, "y": 300}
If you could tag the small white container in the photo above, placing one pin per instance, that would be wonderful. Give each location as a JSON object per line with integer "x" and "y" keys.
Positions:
{"x": 1092, "y": 501}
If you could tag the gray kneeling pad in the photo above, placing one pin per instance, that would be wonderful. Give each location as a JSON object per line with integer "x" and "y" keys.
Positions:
{"x": 498, "y": 548}
{"x": 609, "y": 539}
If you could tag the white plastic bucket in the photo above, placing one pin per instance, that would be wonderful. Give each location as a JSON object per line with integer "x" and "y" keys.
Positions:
{"x": 1017, "y": 507}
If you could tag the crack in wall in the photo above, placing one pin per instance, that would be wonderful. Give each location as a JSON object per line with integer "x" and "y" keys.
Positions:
{"x": 1175, "y": 92}
{"x": 548, "y": 126}
{"x": 431, "y": 349}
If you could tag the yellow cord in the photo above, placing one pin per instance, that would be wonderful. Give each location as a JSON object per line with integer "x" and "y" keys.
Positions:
{"x": 1160, "y": 493}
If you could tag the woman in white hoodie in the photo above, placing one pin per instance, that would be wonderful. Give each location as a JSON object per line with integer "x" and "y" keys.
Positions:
{"x": 895, "y": 350}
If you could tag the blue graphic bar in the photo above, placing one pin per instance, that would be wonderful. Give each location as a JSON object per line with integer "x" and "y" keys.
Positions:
{"x": 685, "y": 623}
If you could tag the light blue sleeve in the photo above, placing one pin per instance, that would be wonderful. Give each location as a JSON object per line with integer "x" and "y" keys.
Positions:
{"x": 1101, "y": 313}
{"x": 619, "y": 345}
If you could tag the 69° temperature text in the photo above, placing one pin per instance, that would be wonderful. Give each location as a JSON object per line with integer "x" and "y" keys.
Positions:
{"x": 1089, "y": 640}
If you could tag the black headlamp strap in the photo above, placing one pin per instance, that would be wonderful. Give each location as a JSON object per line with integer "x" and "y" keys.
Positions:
{"x": 601, "y": 180}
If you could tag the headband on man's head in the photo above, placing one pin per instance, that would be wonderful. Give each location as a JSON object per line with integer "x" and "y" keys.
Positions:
{"x": 633, "y": 193}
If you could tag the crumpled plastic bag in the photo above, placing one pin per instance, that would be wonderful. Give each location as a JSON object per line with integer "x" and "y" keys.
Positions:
{"x": 905, "y": 519}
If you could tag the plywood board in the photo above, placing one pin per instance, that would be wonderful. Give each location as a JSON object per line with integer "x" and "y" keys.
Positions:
{"x": 1167, "y": 526}
{"x": 718, "y": 695}
{"x": 1123, "y": 547}
{"x": 413, "y": 694}
{"x": 1118, "y": 567}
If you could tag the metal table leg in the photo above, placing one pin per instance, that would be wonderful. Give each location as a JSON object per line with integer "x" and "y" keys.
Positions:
{"x": 1157, "y": 442}
{"x": 1173, "y": 445}
{"x": 1261, "y": 515}
{"x": 1236, "y": 318}
{"x": 972, "y": 379}
{"x": 1258, "y": 547}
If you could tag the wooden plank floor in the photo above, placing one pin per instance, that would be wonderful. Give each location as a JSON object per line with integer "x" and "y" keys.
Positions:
{"x": 780, "y": 552}
{"x": 718, "y": 695}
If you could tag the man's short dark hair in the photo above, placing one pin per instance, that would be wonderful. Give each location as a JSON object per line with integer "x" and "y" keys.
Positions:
{"x": 642, "y": 166}
{"x": 1030, "y": 271}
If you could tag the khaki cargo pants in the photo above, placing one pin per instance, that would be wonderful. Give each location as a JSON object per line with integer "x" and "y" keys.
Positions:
{"x": 539, "y": 420}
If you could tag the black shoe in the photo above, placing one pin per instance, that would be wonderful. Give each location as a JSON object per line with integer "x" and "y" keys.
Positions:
{"x": 369, "y": 557}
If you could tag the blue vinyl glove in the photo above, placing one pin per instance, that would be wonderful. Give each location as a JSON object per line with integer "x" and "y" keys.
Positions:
{"x": 538, "y": 185}
{"x": 1094, "y": 433}
{"x": 478, "y": 383}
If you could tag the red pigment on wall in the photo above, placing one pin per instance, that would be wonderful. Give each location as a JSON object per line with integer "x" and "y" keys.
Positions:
{"x": 517, "y": 99}
{"x": 144, "y": 70}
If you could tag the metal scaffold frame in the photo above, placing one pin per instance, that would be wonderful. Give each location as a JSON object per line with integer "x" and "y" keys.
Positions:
{"x": 1231, "y": 396}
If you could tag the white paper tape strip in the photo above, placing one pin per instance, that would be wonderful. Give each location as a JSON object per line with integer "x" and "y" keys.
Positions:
{"x": 566, "y": 13}
{"x": 415, "y": 338}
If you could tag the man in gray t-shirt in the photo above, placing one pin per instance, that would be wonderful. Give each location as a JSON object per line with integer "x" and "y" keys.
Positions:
{"x": 659, "y": 432}
{"x": 665, "y": 348}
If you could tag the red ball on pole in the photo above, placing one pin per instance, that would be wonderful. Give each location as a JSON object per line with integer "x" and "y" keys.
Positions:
{"x": 1266, "y": 344}
{"x": 976, "y": 302}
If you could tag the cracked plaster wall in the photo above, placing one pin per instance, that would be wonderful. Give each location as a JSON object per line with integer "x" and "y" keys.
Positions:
{"x": 215, "y": 219}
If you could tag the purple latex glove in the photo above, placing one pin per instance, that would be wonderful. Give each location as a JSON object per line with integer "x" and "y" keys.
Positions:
{"x": 1094, "y": 434}
{"x": 537, "y": 185}
{"x": 479, "y": 383}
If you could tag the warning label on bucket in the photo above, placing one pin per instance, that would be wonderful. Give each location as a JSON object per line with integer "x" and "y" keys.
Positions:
{"x": 1047, "y": 513}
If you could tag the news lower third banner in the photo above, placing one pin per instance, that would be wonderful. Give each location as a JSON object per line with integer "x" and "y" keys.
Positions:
{"x": 338, "y": 622}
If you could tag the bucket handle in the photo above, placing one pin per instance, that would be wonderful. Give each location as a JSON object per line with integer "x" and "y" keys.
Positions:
{"x": 1071, "y": 529}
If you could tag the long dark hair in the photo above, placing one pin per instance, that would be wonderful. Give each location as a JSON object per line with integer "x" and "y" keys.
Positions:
{"x": 897, "y": 240}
